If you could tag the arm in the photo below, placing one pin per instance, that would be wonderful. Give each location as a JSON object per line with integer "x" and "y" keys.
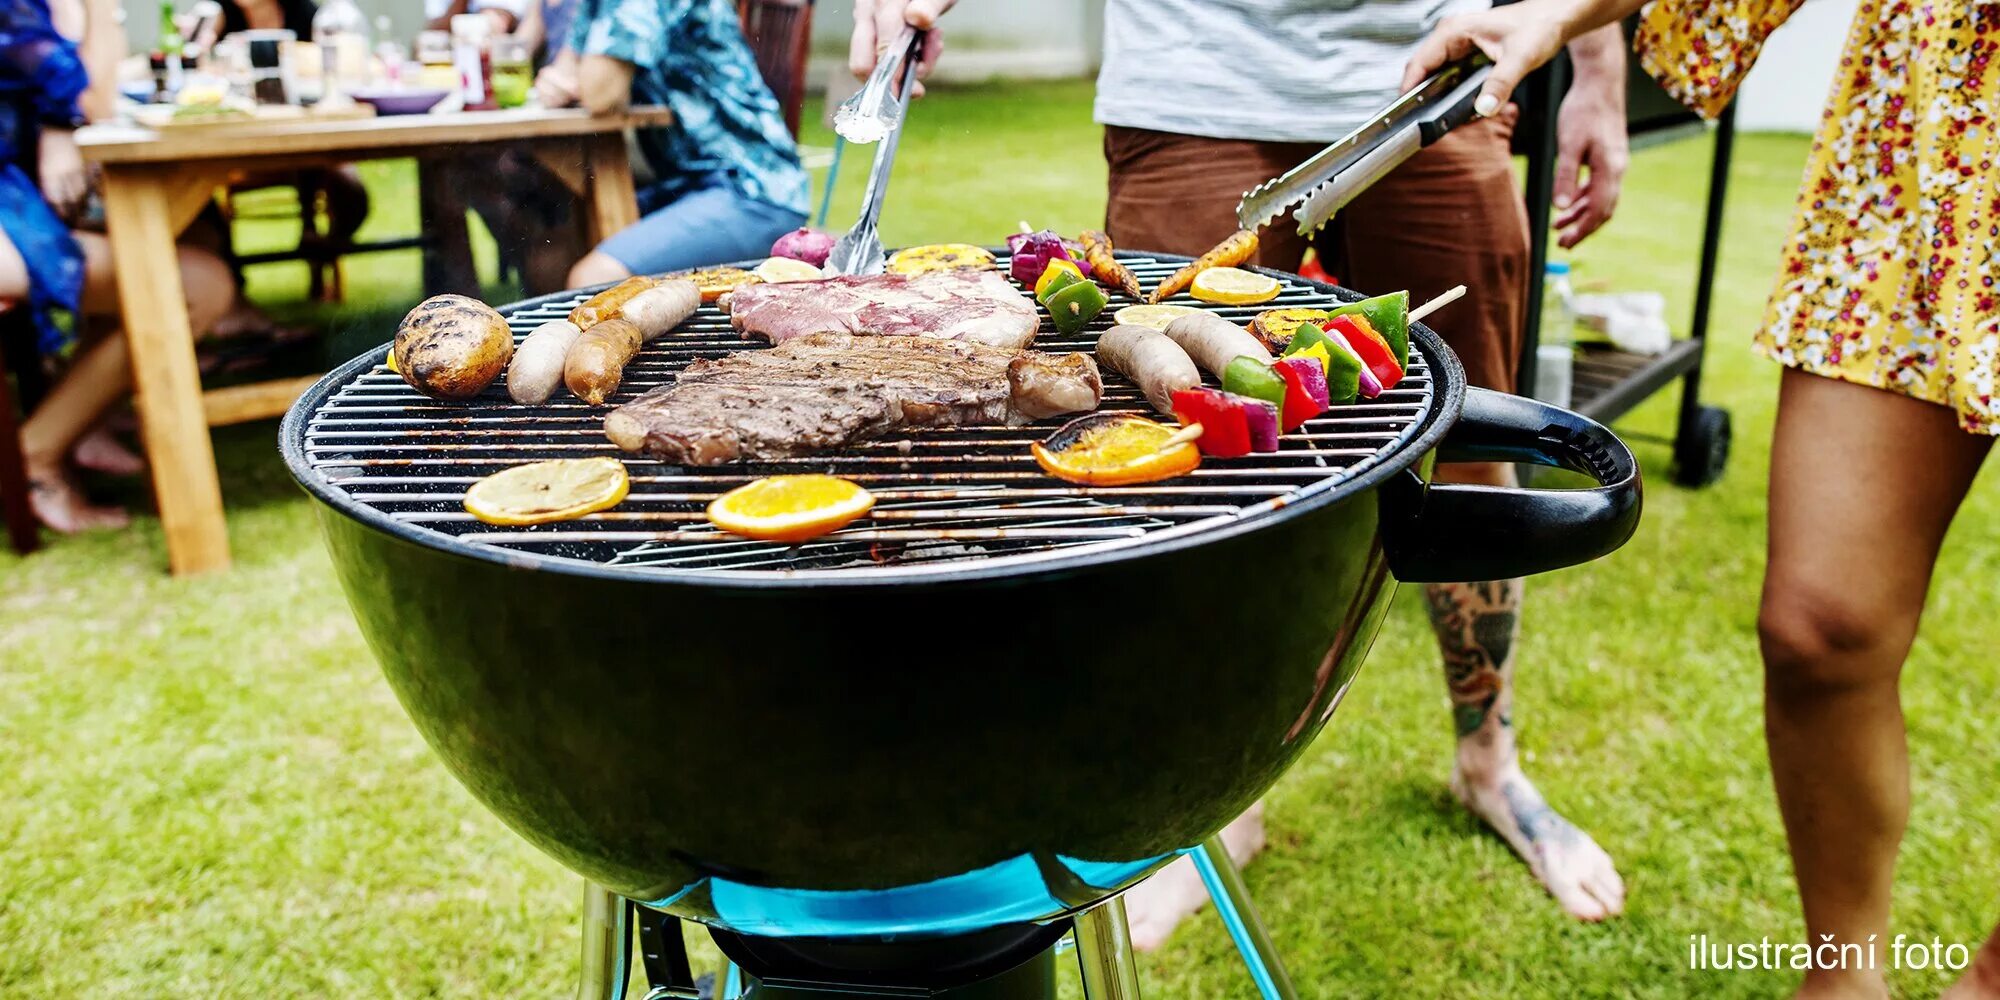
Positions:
{"x": 605, "y": 84}
{"x": 1518, "y": 37}
{"x": 103, "y": 47}
{"x": 556, "y": 84}
{"x": 1590, "y": 133}
{"x": 877, "y": 23}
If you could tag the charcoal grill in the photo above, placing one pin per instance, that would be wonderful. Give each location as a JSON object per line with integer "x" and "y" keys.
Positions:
{"x": 964, "y": 720}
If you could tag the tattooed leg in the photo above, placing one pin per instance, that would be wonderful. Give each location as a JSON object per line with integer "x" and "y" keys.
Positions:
{"x": 1475, "y": 625}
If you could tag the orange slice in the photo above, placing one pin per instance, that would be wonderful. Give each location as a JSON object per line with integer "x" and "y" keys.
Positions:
{"x": 1115, "y": 449}
{"x": 1233, "y": 286}
{"x": 541, "y": 492}
{"x": 715, "y": 282}
{"x": 790, "y": 508}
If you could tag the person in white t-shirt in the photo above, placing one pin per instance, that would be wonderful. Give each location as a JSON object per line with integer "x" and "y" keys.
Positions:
{"x": 1202, "y": 100}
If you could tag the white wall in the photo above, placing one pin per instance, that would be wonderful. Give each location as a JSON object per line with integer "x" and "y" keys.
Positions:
{"x": 1787, "y": 89}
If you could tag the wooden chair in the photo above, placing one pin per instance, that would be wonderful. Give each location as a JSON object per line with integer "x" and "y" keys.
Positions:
{"x": 780, "y": 36}
{"x": 22, "y": 528}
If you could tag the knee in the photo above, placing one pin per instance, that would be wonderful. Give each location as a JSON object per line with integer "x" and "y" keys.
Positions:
{"x": 210, "y": 288}
{"x": 1819, "y": 640}
{"x": 596, "y": 268}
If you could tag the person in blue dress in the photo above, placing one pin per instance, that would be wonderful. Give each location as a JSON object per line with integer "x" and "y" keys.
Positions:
{"x": 727, "y": 181}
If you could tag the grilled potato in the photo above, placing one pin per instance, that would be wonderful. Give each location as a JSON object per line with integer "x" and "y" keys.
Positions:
{"x": 452, "y": 347}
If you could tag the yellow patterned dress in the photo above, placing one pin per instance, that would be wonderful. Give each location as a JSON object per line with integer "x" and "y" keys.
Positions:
{"x": 1889, "y": 277}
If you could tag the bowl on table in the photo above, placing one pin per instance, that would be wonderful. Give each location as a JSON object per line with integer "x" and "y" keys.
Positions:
{"x": 401, "y": 100}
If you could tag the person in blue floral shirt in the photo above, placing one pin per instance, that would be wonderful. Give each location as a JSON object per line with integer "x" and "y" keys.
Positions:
{"x": 727, "y": 181}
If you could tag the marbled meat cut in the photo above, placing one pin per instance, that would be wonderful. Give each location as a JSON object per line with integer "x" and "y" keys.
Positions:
{"x": 823, "y": 391}
{"x": 978, "y": 306}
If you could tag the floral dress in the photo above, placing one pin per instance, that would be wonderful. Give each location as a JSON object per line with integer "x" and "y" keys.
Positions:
{"x": 1889, "y": 277}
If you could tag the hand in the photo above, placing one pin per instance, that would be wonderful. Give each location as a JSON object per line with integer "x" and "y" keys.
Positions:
{"x": 1518, "y": 37}
{"x": 64, "y": 182}
{"x": 556, "y": 85}
{"x": 1590, "y": 133}
{"x": 878, "y": 22}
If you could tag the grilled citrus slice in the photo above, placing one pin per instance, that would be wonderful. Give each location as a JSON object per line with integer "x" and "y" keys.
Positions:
{"x": 1156, "y": 317}
{"x": 1115, "y": 449}
{"x": 790, "y": 508}
{"x": 390, "y": 362}
{"x": 1275, "y": 327}
{"x": 939, "y": 257}
{"x": 779, "y": 270}
{"x": 715, "y": 282}
{"x": 542, "y": 492}
{"x": 1233, "y": 286}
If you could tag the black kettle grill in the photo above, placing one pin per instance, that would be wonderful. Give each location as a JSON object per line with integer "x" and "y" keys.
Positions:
{"x": 906, "y": 757}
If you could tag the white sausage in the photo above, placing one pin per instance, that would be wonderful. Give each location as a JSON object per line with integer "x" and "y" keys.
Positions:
{"x": 538, "y": 362}
{"x": 662, "y": 307}
{"x": 1213, "y": 342}
{"x": 1149, "y": 358}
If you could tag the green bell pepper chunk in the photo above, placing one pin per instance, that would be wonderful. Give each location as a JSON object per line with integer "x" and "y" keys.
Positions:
{"x": 1073, "y": 307}
{"x": 1390, "y": 316}
{"x": 1060, "y": 280}
{"x": 1247, "y": 376}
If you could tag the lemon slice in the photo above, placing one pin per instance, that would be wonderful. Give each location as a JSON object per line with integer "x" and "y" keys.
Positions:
{"x": 790, "y": 508}
{"x": 1156, "y": 317}
{"x": 541, "y": 492}
{"x": 1233, "y": 286}
{"x": 390, "y": 362}
{"x": 778, "y": 270}
{"x": 939, "y": 257}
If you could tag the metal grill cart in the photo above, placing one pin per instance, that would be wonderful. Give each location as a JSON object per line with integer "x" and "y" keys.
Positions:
{"x": 1610, "y": 382}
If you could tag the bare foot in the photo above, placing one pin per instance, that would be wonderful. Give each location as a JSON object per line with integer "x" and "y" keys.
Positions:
{"x": 1982, "y": 980}
{"x": 1849, "y": 986}
{"x": 60, "y": 505}
{"x": 99, "y": 451}
{"x": 1566, "y": 861}
{"x": 1159, "y": 904}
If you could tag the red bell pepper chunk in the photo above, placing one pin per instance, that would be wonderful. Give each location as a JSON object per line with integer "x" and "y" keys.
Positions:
{"x": 1306, "y": 394}
{"x": 1225, "y": 427}
{"x": 1371, "y": 346}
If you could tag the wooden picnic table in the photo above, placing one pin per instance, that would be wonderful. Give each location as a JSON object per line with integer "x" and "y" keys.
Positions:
{"x": 157, "y": 181}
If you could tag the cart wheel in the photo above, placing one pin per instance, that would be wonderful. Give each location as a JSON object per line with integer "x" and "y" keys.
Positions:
{"x": 1702, "y": 448}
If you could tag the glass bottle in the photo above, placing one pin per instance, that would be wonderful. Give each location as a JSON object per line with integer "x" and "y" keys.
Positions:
{"x": 341, "y": 34}
{"x": 1555, "y": 355}
{"x": 167, "y": 79}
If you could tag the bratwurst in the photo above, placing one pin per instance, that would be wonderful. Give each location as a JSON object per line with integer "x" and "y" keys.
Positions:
{"x": 1151, "y": 360}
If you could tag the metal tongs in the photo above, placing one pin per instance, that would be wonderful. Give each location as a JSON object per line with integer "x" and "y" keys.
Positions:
{"x": 1334, "y": 176}
{"x": 875, "y": 114}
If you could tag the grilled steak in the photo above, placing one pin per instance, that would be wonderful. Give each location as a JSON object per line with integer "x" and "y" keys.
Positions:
{"x": 822, "y": 391}
{"x": 977, "y": 306}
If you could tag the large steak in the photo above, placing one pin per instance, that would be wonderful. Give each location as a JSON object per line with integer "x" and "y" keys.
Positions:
{"x": 978, "y": 306}
{"x": 823, "y": 391}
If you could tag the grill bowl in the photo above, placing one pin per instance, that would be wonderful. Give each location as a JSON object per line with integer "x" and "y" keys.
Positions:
{"x": 931, "y": 748}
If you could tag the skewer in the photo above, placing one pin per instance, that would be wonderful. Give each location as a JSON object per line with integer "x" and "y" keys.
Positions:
{"x": 1025, "y": 227}
{"x": 1417, "y": 314}
{"x": 1186, "y": 434}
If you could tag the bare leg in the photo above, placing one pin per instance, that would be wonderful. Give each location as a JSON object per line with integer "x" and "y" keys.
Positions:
{"x": 1982, "y": 980}
{"x": 596, "y": 268}
{"x": 1476, "y": 624}
{"x": 1159, "y": 904}
{"x": 1864, "y": 484}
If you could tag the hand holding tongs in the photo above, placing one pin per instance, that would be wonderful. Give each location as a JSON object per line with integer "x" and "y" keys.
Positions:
{"x": 1333, "y": 176}
{"x": 875, "y": 114}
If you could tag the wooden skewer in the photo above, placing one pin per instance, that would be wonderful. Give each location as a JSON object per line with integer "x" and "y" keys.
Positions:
{"x": 1417, "y": 314}
{"x": 1025, "y": 227}
{"x": 1186, "y": 434}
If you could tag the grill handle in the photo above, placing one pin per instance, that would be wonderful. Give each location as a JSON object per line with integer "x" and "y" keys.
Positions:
{"x": 1459, "y": 532}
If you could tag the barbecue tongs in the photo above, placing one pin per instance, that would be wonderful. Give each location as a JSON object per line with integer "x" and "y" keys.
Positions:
{"x": 1333, "y": 176}
{"x": 875, "y": 114}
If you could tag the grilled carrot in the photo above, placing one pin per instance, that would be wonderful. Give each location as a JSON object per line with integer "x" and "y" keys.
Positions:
{"x": 1228, "y": 253}
{"x": 1105, "y": 267}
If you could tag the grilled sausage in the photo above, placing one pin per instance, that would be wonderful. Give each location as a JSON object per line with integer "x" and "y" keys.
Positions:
{"x": 452, "y": 347}
{"x": 538, "y": 362}
{"x": 1228, "y": 253}
{"x": 596, "y": 362}
{"x": 1152, "y": 360}
{"x": 662, "y": 307}
{"x": 1213, "y": 342}
{"x": 605, "y": 304}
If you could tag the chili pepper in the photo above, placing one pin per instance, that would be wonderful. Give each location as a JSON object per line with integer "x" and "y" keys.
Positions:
{"x": 1225, "y": 429}
{"x": 1373, "y": 350}
{"x": 1073, "y": 307}
{"x": 1058, "y": 275}
{"x": 1390, "y": 316}
{"x": 1343, "y": 366}
{"x": 1247, "y": 376}
{"x": 1305, "y": 388}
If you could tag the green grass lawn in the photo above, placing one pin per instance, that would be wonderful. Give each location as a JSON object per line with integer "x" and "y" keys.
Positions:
{"x": 206, "y": 790}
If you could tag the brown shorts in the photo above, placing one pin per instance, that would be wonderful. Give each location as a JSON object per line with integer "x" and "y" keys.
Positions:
{"x": 1452, "y": 215}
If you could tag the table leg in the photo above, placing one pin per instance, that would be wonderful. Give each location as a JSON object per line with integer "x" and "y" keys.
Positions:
{"x": 448, "y": 265}
{"x": 138, "y": 211}
{"x": 613, "y": 202}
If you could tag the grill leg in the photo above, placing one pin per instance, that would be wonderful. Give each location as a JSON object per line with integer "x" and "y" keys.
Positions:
{"x": 1104, "y": 950}
{"x": 607, "y": 944}
{"x": 1232, "y": 903}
